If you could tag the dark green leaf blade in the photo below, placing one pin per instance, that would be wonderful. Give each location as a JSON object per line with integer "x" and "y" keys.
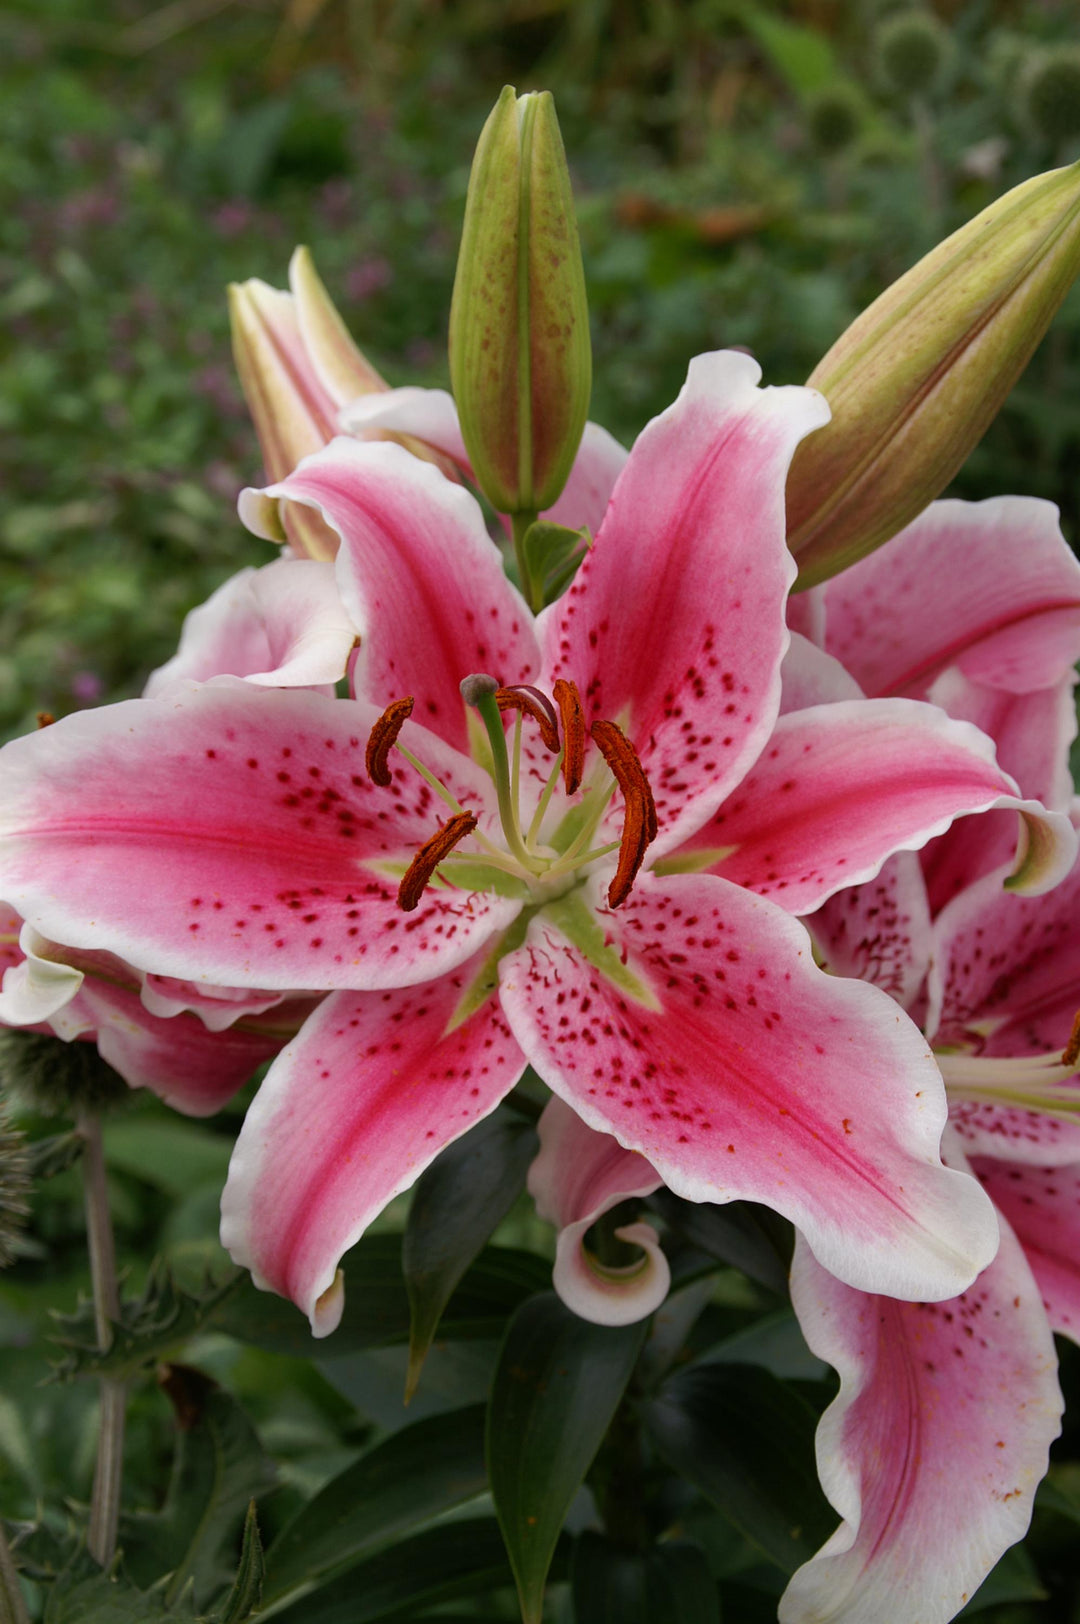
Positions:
{"x": 1013, "y": 1579}
{"x": 742, "y": 1233}
{"x": 460, "y": 1558}
{"x": 247, "y": 1588}
{"x": 416, "y": 1474}
{"x": 612, "y": 1585}
{"x": 557, "y": 1386}
{"x": 457, "y": 1204}
{"x": 746, "y": 1440}
{"x": 218, "y": 1467}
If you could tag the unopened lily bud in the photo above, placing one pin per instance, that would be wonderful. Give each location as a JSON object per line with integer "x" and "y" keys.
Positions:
{"x": 298, "y": 367}
{"x": 918, "y": 377}
{"x": 520, "y": 357}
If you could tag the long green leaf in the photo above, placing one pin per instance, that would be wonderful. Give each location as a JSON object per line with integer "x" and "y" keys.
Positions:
{"x": 245, "y": 1594}
{"x": 747, "y": 1441}
{"x": 670, "y": 1584}
{"x": 557, "y": 1386}
{"x": 461, "y": 1558}
{"x": 417, "y": 1474}
{"x": 456, "y": 1205}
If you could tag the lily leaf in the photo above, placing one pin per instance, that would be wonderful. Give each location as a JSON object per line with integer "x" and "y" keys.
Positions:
{"x": 613, "y": 1585}
{"x": 553, "y": 553}
{"x": 457, "y": 1204}
{"x": 557, "y": 1386}
{"x": 746, "y": 1440}
{"x": 417, "y": 1474}
{"x": 743, "y": 1234}
{"x": 243, "y": 1599}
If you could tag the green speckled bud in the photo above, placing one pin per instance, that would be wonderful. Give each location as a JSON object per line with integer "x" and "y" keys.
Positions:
{"x": 918, "y": 377}
{"x": 520, "y": 357}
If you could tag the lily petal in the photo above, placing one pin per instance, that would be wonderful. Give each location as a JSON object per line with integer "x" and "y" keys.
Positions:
{"x": 740, "y": 1070}
{"x": 36, "y": 987}
{"x": 990, "y": 586}
{"x": 350, "y": 1114}
{"x": 1043, "y": 1206}
{"x": 880, "y": 931}
{"x": 420, "y": 578}
{"x": 809, "y": 676}
{"x": 841, "y": 787}
{"x": 577, "y": 1176}
{"x": 282, "y": 626}
{"x": 690, "y": 563}
{"x": 230, "y": 834}
{"x": 934, "y": 1447}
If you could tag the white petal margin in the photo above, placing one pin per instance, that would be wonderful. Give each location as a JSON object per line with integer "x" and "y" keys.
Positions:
{"x": 282, "y": 626}
{"x": 935, "y": 1445}
{"x": 577, "y": 1176}
{"x": 37, "y": 988}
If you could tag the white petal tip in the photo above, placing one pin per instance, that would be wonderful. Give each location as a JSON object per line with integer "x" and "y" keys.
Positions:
{"x": 607, "y": 1296}
{"x": 326, "y": 1314}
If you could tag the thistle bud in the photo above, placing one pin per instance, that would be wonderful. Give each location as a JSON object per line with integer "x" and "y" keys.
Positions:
{"x": 520, "y": 358}
{"x": 918, "y": 377}
{"x": 298, "y": 366}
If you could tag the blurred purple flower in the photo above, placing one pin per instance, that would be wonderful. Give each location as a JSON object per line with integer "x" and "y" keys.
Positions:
{"x": 368, "y": 277}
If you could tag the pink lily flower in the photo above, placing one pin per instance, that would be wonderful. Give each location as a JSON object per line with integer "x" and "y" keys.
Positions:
{"x": 975, "y": 606}
{"x": 934, "y": 1448}
{"x": 270, "y": 838}
{"x": 192, "y": 1046}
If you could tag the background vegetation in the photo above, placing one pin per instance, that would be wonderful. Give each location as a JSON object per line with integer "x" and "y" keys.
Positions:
{"x": 744, "y": 175}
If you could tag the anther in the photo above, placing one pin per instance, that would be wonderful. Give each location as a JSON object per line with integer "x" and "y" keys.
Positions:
{"x": 382, "y": 739}
{"x": 430, "y": 855}
{"x": 573, "y": 727}
{"x": 1071, "y": 1053}
{"x": 45, "y": 719}
{"x": 529, "y": 700}
{"x": 639, "y": 824}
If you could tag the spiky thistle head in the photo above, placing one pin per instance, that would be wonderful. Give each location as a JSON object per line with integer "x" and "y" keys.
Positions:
{"x": 14, "y": 1186}
{"x": 913, "y": 50}
{"x": 57, "y": 1078}
{"x": 1050, "y": 94}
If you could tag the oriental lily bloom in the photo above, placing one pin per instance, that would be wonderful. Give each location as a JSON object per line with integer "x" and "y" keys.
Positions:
{"x": 474, "y": 905}
{"x": 192, "y": 1046}
{"x": 975, "y": 606}
{"x": 934, "y": 1448}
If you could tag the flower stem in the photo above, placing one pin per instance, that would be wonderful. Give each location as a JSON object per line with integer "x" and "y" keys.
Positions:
{"x": 12, "y": 1606}
{"x": 105, "y": 1499}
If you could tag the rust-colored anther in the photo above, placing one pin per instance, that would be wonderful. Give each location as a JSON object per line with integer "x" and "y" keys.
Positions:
{"x": 531, "y": 702}
{"x": 1071, "y": 1053}
{"x": 429, "y": 857}
{"x": 573, "y": 731}
{"x": 45, "y": 719}
{"x": 382, "y": 739}
{"x": 639, "y": 823}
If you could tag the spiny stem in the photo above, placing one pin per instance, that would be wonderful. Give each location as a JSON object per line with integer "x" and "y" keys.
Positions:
{"x": 105, "y": 1499}
{"x": 12, "y": 1606}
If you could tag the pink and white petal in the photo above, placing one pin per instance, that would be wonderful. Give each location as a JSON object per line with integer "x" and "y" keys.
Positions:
{"x": 1033, "y": 733}
{"x": 806, "y": 614}
{"x": 990, "y": 586}
{"x": 282, "y": 626}
{"x": 840, "y": 787}
{"x": 231, "y": 835}
{"x": 577, "y": 1176}
{"x": 1006, "y": 964}
{"x": 809, "y": 676}
{"x": 933, "y": 1448}
{"x": 742, "y": 1071}
{"x": 880, "y": 931}
{"x": 216, "y": 1007}
{"x": 597, "y": 466}
{"x": 690, "y": 565}
{"x": 425, "y": 414}
{"x": 419, "y": 577}
{"x": 35, "y": 986}
{"x": 374, "y": 1086}
{"x": 1043, "y": 1206}
{"x": 1032, "y": 1138}
{"x": 192, "y": 1069}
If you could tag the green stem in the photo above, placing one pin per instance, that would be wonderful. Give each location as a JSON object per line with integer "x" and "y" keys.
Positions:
{"x": 491, "y": 717}
{"x": 12, "y": 1606}
{"x": 105, "y": 1498}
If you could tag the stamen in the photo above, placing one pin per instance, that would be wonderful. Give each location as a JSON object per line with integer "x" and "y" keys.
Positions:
{"x": 1071, "y": 1053}
{"x": 382, "y": 739}
{"x": 531, "y": 702}
{"x": 45, "y": 719}
{"x": 639, "y": 826}
{"x": 429, "y": 857}
{"x": 573, "y": 728}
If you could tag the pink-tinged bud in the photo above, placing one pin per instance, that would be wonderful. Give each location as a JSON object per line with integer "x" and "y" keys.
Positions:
{"x": 298, "y": 366}
{"x": 520, "y": 356}
{"x": 918, "y": 377}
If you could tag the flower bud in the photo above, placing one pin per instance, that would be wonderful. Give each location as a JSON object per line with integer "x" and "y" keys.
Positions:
{"x": 520, "y": 357}
{"x": 918, "y": 377}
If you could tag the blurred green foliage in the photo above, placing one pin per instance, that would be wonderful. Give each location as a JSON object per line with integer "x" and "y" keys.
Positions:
{"x": 744, "y": 175}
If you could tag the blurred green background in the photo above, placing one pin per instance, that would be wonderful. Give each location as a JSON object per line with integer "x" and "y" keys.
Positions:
{"x": 744, "y": 175}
